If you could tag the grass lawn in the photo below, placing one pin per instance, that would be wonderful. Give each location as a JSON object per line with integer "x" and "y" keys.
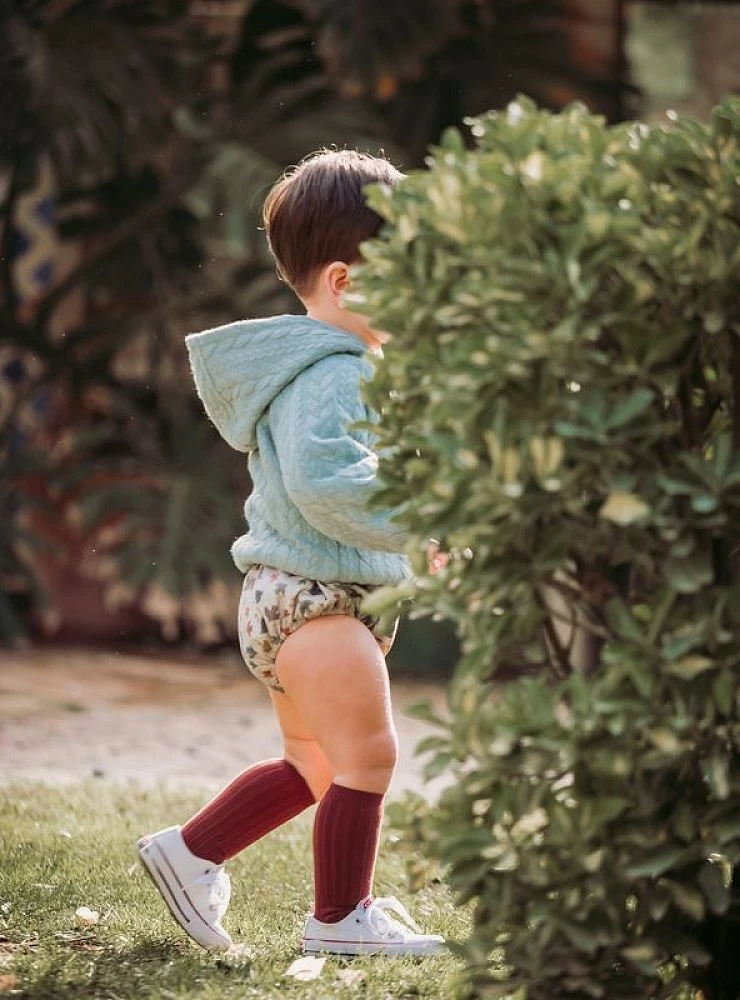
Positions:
{"x": 62, "y": 848}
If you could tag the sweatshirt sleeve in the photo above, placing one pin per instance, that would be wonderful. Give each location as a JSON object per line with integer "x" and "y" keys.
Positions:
{"x": 328, "y": 471}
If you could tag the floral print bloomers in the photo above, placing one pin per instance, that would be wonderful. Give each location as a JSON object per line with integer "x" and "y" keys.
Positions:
{"x": 275, "y": 603}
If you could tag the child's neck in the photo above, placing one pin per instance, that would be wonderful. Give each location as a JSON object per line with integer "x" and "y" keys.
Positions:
{"x": 344, "y": 320}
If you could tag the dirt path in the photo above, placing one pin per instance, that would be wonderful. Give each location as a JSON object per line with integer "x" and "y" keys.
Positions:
{"x": 68, "y": 714}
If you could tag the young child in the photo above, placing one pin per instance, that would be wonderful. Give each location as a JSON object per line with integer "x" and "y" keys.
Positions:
{"x": 286, "y": 390}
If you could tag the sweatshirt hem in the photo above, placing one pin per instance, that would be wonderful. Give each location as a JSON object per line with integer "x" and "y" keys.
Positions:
{"x": 362, "y": 574}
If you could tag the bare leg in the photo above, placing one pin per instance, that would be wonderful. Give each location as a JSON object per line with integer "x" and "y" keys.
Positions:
{"x": 335, "y": 674}
{"x": 300, "y": 748}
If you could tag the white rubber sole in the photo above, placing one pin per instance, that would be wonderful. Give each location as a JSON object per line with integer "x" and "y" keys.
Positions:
{"x": 401, "y": 949}
{"x": 178, "y": 902}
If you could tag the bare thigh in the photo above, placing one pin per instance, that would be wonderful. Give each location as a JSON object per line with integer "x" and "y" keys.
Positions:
{"x": 335, "y": 674}
{"x": 301, "y": 749}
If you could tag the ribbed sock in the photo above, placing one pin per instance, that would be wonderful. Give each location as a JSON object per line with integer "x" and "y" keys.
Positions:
{"x": 346, "y": 835}
{"x": 255, "y": 802}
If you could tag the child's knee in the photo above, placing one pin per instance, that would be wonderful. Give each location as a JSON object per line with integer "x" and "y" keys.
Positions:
{"x": 307, "y": 757}
{"x": 370, "y": 765}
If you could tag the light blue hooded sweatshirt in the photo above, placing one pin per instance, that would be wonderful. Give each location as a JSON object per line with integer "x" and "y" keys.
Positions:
{"x": 286, "y": 390}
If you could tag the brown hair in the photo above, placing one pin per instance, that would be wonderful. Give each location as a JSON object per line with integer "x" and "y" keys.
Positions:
{"x": 316, "y": 213}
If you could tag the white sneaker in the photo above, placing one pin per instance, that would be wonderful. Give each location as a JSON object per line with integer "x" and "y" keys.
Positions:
{"x": 368, "y": 930}
{"x": 196, "y": 891}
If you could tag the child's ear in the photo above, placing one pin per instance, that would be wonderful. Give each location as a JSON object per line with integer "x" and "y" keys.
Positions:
{"x": 336, "y": 276}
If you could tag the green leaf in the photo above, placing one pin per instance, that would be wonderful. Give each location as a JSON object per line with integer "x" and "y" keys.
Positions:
{"x": 623, "y": 622}
{"x": 581, "y": 937}
{"x": 437, "y": 765}
{"x": 673, "y": 646}
{"x": 689, "y": 901}
{"x": 425, "y": 711}
{"x": 704, "y": 503}
{"x": 689, "y": 575}
{"x": 713, "y": 322}
{"x": 624, "y": 508}
{"x": 608, "y": 807}
{"x": 644, "y": 956}
{"x": 655, "y": 862}
{"x": 716, "y": 771}
{"x": 631, "y": 407}
{"x": 594, "y": 860}
{"x": 388, "y": 597}
{"x": 570, "y": 430}
{"x": 723, "y": 691}
{"x": 664, "y": 740}
{"x": 689, "y": 667}
{"x": 429, "y": 744}
{"x": 716, "y": 891}
{"x": 675, "y": 487}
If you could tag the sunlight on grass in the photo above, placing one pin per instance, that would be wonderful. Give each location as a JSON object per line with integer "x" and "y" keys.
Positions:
{"x": 71, "y": 847}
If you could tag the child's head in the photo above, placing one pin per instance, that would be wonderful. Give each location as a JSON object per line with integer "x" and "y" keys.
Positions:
{"x": 315, "y": 218}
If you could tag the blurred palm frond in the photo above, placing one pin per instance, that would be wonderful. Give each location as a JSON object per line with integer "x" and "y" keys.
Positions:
{"x": 95, "y": 84}
{"x": 159, "y": 517}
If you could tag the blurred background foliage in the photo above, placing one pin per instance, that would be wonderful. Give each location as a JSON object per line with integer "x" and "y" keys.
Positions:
{"x": 137, "y": 141}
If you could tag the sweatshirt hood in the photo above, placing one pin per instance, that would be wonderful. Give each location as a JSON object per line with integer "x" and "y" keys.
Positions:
{"x": 241, "y": 367}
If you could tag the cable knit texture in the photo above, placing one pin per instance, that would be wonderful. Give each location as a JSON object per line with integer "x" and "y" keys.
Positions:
{"x": 287, "y": 390}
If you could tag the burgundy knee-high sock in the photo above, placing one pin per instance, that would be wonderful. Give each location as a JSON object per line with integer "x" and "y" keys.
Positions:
{"x": 346, "y": 834}
{"x": 255, "y": 802}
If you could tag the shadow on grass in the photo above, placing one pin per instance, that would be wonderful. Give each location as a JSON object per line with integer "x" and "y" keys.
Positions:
{"x": 151, "y": 968}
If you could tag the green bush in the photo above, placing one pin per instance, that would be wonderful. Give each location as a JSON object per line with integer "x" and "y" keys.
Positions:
{"x": 561, "y": 409}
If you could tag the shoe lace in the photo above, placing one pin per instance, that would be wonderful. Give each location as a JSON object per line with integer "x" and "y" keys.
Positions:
{"x": 218, "y": 883}
{"x": 384, "y": 924}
